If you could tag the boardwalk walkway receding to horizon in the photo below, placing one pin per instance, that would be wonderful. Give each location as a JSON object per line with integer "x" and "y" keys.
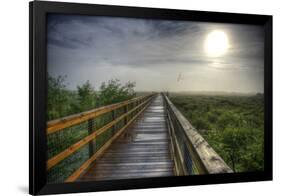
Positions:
{"x": 142, "y": 151}
{"x": 143, "y": 137}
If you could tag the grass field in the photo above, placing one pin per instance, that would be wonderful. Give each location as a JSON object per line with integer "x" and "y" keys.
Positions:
{"x": 232, "y": 124}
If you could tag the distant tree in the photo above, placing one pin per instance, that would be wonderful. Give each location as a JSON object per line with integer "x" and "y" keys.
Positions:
{"x": 86, "y": 97}
{"x": 259, "y": 94}
{"x": 57, "y": 97}
{"x": 113, "y": 91}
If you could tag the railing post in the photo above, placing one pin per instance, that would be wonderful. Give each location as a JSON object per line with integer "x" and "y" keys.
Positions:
{"x": 113, "y": 127}
{"x": 92, "y": 144}
{"x": 125, "y": 111}
{"x": 136, "y": 105}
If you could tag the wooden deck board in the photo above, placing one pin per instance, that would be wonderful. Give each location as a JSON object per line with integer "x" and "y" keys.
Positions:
{"x": 142, "y": 152}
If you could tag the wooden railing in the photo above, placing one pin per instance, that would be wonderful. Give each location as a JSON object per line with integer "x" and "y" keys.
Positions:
{"x": 192, "y": 153}
{"x": 130, "y": 110}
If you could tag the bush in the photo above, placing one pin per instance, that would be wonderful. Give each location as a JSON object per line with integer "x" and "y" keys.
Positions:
{"x": 212, "y": 118}
{"x": 227, "y": 119}
{"x": 86, "y": 97}
{"x": 201, "y": 124}
{"x": 235, "y": 126}
{"x": 57, "y": 103}
{"x": 113, "y": 92}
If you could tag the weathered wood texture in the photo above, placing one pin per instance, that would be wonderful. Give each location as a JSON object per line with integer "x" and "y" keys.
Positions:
{"x": 192, "y": 153}
{"x": 142, "y": 151}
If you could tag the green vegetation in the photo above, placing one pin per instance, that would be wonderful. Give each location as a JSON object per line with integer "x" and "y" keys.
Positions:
{"x": 232, "y": 124}
{"x": 63, "y": 102}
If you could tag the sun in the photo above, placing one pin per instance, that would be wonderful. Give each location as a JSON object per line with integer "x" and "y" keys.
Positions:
{"x": 216, "y": 43}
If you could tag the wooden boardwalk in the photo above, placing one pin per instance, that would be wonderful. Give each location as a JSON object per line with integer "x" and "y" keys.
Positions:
{"x": 143, "y": 151}
{"x": 155, "y": 140}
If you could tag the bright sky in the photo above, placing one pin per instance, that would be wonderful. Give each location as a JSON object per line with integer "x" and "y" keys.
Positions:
{"x": 159, "y": 55}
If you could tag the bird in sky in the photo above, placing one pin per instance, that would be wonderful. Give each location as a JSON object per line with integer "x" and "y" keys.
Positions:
{"x": 180, "y": 77}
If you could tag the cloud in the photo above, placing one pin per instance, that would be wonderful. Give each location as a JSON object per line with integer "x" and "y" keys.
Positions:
{"x": 78, "y": 45}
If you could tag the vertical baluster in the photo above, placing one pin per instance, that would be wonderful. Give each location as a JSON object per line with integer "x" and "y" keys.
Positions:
{"x": 113, "y": 116}
{"x": 92, "y": 144}
{"x": 136, "y": 105}
{"x": 125, "y": 111}
{"x": 130, "y": 106}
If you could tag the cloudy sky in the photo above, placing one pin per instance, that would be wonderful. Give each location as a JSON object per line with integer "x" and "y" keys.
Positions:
{"x": 159, "y": 55}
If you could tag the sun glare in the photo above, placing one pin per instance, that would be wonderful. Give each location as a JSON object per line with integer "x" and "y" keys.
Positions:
{"x": 216, "y": 43}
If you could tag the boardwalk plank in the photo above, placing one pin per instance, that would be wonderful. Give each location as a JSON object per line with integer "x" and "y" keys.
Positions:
{"x": 142, "y": 152}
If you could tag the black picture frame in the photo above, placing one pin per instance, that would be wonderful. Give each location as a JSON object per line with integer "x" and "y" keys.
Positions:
{"x": 38, "y": 96}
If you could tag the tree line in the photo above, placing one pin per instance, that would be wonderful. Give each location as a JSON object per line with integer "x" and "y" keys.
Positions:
{"x": 63, "y": 102}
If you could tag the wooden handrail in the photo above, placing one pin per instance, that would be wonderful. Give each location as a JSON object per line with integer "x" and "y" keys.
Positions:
{"x": 58, "y": 125}
{"x": 192, "y": 153}
{"x": 84, "y": 166}
{"x": 61, "y": 123}
{"x": 73, "y": 148}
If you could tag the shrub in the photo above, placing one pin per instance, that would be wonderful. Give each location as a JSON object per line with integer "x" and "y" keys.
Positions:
{"x": 201, "y": 124}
